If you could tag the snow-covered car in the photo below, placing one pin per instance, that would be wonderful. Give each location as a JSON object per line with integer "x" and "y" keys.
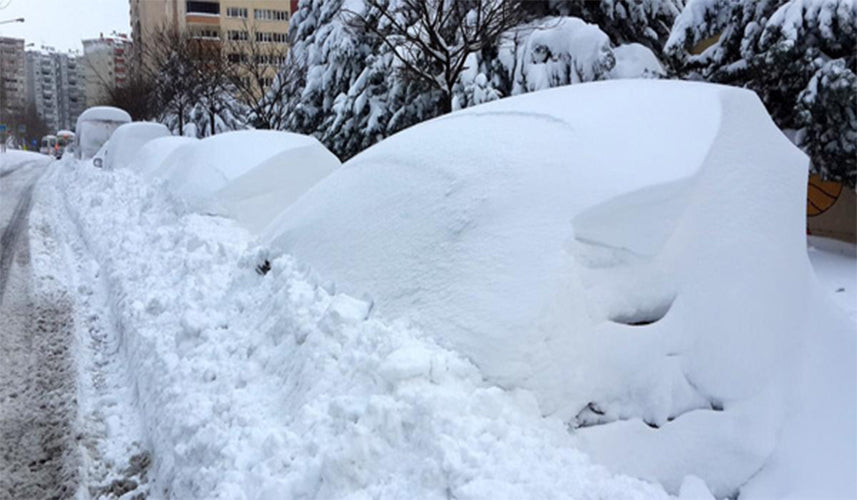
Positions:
{"x": 48, "y": 145}
{"x": 128, "y": 139}
{"x": 65, "y": 139}
{"x": 94, "y": 128}
{"x": 250, "y": 176}
{"x": 589, "y": 244}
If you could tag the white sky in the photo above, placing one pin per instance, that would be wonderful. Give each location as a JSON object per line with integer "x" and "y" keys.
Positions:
{"x": 62, "y": 24}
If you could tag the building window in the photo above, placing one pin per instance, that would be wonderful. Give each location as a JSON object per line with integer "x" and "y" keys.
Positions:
{"x": 240, "y": 12}
{"x": 271, "y": 59}
{"x": 206, "y": 33}
{"x": 197, "y": 7}
{"x": 237, "y": 58}
{"x": 268, "y": 37}
{"x": 270, "y": 15}
{"x": 238, "y": 36}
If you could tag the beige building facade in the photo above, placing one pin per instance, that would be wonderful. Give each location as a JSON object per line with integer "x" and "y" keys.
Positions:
{"x": 105, "y": 66}
{"x": 248, "y": 30}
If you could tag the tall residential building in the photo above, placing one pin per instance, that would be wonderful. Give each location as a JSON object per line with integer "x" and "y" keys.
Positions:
{"x": 235, "y": 24}
{"x": 104, "y": 67}
{"x": 70, "y": 89}
{"x": 42, "y": 87}
{"x": 13, "y": 89}
{"x": 54, "y": 87}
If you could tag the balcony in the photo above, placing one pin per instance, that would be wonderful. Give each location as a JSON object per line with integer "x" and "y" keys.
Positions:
{"x": 199, "y": 7}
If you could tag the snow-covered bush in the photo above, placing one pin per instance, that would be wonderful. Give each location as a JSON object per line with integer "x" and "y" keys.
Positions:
{"x": 647, "y": 22}
{"x": 800, "y": 56}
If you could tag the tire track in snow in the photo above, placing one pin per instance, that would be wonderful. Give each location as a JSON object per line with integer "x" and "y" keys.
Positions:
{"x": 38, "y": 453}
{"x": 9, "y": 238}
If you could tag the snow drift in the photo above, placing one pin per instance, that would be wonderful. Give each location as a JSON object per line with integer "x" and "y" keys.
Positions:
{"x": 128, "y": 139}
{"x": 250, "y": 176}
{"x": 150, "y": 160}
{"x": 588, "y": 243}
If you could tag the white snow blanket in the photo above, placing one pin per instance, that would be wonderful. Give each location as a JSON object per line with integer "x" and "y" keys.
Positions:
{"x": 250, "y": 176}
{"x": 128, "y": 139}
{"x": 151, "y": 157}
{"x": 267, "y": 387}
{"x": 589, "y": 243}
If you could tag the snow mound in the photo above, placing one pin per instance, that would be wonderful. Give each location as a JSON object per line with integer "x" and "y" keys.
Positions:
{"x": 634, "y": 60}
{"x": 128, "y": 139}
{"x": 151, "y": 158}
{"x": 269, "y": 386}
{"x": 250, "y": 176}
{"x": 588, "y": 243}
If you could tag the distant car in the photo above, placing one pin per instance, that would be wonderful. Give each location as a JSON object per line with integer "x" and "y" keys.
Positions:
{"x": 94, "y": 128}
{"x": 48, "y": 145}
{"x": 65, "y": 138}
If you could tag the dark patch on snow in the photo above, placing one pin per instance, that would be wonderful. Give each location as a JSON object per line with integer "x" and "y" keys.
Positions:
{"x": 644, "y": 316}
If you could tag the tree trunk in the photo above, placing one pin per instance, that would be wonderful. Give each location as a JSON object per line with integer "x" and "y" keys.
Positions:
{"x": 211, "y": 120}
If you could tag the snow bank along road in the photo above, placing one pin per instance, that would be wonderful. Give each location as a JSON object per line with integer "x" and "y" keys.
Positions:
{"x": 36, "y": 382}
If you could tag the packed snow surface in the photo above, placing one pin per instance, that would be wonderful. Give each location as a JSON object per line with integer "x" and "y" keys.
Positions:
{"x": 151, "y": 157}
{"x": 589, "y": 244}
{"x": 250, "y": 176}
{"x": 264, "y": 387}
{"x": 128, "y": 139}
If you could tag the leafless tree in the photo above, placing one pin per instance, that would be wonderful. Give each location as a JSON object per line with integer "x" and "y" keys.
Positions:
{"x": 433, "y": 38}
{"x": 253, "y": 69}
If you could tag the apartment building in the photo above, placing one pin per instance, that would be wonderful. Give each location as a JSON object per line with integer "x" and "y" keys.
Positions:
{"x": 55, "y": 87}
{"x": 13, "y": 89}
{"x": 105, "y": 66}
{"x": 42, "y": 87}
{"x": 70, "y": 89}
{"x": 245, "y": 29}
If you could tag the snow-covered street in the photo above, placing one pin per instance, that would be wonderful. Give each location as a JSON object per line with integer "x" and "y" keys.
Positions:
{"x": 38, "y": 449}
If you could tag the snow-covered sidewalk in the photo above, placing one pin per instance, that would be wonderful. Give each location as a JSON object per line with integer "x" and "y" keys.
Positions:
{"x": 244, "y": 385}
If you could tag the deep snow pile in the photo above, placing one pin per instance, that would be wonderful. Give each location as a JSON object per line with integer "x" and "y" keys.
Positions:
{"x": 249, "y": 176}
{"x": 270, "y": 387}
{"x": 590, "y": 244}
{"x": 127, "y": 140}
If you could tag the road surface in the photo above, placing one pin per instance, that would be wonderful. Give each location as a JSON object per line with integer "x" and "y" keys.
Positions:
{"x": 38, "y": 455}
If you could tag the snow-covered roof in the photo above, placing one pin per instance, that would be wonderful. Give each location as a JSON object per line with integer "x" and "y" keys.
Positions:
{"x": 104, "y": 113}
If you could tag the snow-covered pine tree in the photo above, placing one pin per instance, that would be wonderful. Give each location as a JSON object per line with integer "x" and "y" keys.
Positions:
{"x": 342, "y": 83}
{"x": 800, "y": 56}
{"x": 647, "y": 22}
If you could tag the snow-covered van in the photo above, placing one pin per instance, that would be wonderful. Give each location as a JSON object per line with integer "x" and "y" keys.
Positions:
{"x": 94, "y": 128}
{"x": 48, "y": 145}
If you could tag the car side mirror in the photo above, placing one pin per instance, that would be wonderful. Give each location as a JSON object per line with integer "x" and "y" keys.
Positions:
{"x": 98, "y": 162}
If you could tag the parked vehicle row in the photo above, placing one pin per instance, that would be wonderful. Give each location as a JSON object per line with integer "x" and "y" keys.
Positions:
{"x": 56, "y": 145}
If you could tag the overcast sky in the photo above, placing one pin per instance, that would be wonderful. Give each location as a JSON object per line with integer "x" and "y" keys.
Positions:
{"x": 62, "y": 24}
